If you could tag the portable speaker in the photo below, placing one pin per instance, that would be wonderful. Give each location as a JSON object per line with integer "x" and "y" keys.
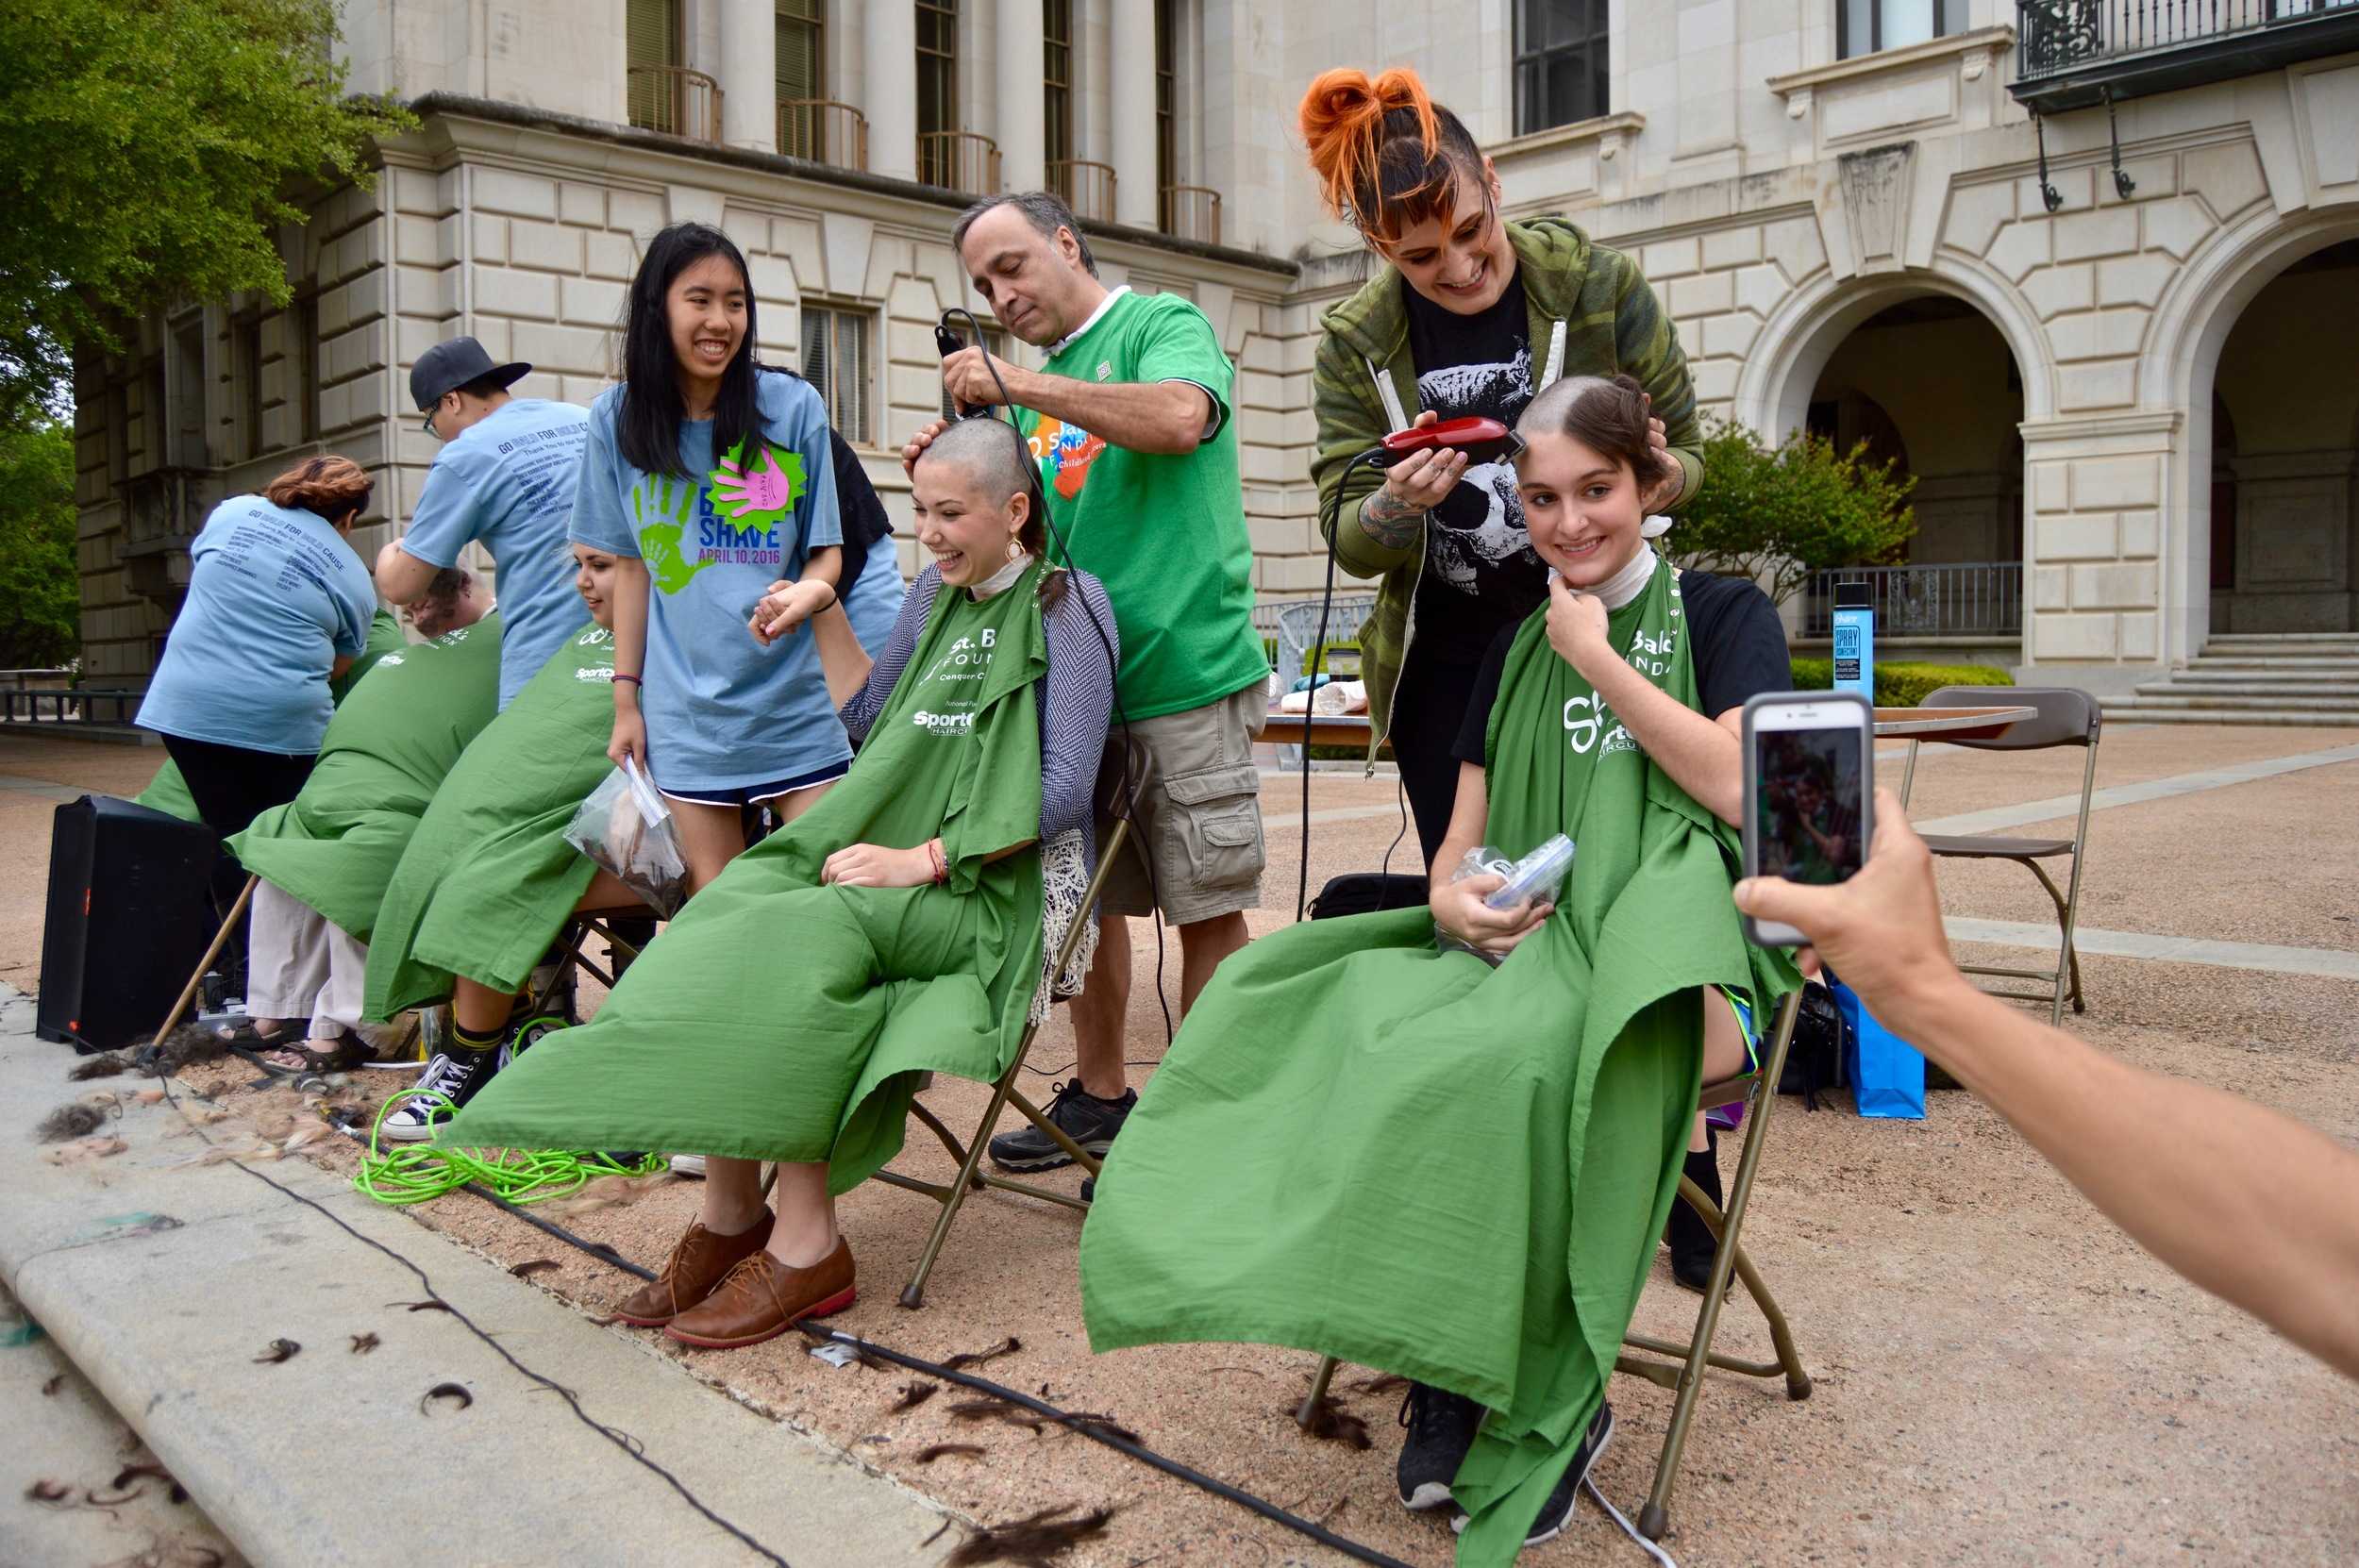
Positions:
{"x": 130, "y": 913}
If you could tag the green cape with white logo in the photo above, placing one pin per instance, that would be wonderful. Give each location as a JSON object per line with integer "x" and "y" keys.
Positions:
{"x": 394, "y": 738}
{"x": 1407, "y": 1159}
{"x": 488, "y": 878}
{"x": 782, "y": 1018}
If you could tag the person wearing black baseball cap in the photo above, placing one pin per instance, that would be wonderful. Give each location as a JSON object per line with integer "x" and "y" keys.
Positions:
{"x": 505, "y": 476}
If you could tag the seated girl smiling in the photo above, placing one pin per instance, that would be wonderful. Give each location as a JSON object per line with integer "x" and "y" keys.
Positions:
{"x": 1409, "y": 1159}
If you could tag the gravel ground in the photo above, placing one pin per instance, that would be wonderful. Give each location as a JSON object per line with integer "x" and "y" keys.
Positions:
{"x": 2000, "y": 1377}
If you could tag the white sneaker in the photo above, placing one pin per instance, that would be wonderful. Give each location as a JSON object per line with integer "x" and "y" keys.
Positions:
{"x": 688, "y": 1164}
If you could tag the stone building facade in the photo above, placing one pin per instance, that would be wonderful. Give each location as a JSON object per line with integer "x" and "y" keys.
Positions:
{"x": 2116, "y": 344}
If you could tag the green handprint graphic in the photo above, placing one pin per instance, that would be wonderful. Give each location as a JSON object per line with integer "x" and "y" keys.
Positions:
{"x": 660, "y": 497}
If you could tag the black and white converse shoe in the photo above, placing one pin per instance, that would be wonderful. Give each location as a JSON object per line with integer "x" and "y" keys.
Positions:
{"x": 1557, "y": 1511}
{"x": 1441, "y": 1431}
{"x": 454, "y": 1076}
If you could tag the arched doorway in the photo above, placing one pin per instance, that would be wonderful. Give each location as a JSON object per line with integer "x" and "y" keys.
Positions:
{"x": 1957, "y": 431}
{"x": 2284, "y": 445}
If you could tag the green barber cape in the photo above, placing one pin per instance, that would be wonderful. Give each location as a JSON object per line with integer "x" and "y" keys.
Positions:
{"x": 1362, "y": 1145}
{"x": 334, "y": 846}
{"x": 782, "y": 1018}
{"x": 488, "y": 878}
{"x": 168, "y": 792}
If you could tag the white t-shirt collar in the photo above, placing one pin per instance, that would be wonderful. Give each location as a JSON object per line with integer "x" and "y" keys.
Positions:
{"x": 1103, "y": 305}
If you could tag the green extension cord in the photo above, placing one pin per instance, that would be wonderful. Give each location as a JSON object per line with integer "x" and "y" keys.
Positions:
{"x": 419, "y": 1173}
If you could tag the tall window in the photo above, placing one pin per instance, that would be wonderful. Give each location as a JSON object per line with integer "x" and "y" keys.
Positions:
{"x": 801, "y": 52}
{"x": 1561, "y": 62}
{"x": 1869, "y": 26}
{"x": 937, "y": 88}
{"x": 1056, "y": 18}
{"x": 652, "y": 38}
{"x": 304, "y": 385}
{"x": 245, "y": 368}
{"x": 835, "y": 362}
{"x": 1166, "y": 107}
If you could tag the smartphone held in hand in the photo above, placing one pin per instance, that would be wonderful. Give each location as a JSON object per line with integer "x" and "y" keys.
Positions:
{"x": 1810, "y": 760}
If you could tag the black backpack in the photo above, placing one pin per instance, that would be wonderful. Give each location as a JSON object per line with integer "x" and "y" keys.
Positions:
{"x": 1814, "y": 1060}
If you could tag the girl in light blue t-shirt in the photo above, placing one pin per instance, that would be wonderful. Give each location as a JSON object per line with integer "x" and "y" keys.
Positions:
{"x": 278, "y": 606}
{"x": 712, "y": 482}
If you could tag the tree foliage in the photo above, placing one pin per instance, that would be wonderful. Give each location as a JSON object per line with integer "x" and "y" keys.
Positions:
{"x": 148, "y": 149}
{"x": 1778, "y": 514}
{"x": 40, "y": 604}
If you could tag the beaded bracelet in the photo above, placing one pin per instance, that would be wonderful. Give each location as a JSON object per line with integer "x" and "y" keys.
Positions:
{"x": 633, "y": 679}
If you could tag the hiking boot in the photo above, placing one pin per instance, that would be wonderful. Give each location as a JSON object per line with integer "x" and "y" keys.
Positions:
{"x": 1691, "y": 1241}
{"x": 1557, "y": 1511}
{"x": 457, "y": 1076}
{"x": 700, "y": 1260}
{"x": 1441, "y": 1429}
{"x": 1080, "y": 1114}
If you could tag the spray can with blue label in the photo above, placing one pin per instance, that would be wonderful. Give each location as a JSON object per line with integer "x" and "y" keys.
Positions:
{"x": 1855, "y": 640}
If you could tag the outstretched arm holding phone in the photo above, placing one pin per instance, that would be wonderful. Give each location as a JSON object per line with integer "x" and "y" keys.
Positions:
{"x": 2256, "y": 1206}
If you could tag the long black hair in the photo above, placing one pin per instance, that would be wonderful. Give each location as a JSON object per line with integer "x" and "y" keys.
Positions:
{"x": 647, "y": 420}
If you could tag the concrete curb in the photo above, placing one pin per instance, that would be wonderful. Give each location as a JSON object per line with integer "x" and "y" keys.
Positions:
{"x": 162, "y": 1282}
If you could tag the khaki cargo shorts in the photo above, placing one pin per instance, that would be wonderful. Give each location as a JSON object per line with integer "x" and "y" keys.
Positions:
{"x": 1198, "y": 811}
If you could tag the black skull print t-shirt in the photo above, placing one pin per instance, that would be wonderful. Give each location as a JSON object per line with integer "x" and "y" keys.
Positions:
{"x": 1481, "y": 571}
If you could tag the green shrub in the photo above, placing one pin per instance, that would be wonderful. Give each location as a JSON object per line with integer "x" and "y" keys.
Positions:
{"x": 1902, "y": 685}
{"x": 1779, "y": 513}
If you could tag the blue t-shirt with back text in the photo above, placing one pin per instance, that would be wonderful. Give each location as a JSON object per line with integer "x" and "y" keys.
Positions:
{"x": 276, "y": 597}
{"x": 507, "y": 480}
{"x": 723, "y": 712}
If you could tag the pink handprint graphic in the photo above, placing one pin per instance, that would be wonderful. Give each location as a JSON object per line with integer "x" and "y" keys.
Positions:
{"x": 767, "y": 490}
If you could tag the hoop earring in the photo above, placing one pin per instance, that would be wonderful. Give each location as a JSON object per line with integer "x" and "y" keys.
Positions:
{"x": 1015, "y": 548}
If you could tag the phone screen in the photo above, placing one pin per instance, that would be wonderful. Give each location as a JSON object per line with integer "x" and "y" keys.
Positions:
{"x": 1808, "y": 794}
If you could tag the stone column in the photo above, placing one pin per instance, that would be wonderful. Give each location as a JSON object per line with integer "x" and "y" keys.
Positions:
{"x": 747, "y": 72}
{"x": 1022, "y": 129}
{"x": 889, "y": 85}
{"x": 1133, "y": 93}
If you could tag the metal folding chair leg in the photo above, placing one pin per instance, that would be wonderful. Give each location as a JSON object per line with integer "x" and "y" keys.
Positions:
{"x": 972, "y": 1177}
{"x": 1656, "y": 1516}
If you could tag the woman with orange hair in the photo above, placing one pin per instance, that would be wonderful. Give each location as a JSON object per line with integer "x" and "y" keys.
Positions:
{"x": 1470, "y": 314}
{"x": 278, "y": 606}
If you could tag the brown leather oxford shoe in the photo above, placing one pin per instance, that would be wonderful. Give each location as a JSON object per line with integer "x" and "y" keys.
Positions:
{"x": 762, "y": 1298}
{"x": 698, "y": 1264}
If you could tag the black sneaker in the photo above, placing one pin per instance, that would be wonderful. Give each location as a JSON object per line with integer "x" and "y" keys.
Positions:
{"x": 1557, "y": 1511}
{"x": 1082, "y": 1115}
{"x": 457, "y": 1076}
{"x": 1693, "y": 1245}
{"x": 1441, "y": 1429}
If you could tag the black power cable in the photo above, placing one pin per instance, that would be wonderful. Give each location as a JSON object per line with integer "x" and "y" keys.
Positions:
{"x": 983, "y": 1385}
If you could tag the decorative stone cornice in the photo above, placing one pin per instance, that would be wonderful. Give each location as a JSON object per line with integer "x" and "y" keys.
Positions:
{"x": 1612, "y": 132}
{"x": 1973, "y": 51}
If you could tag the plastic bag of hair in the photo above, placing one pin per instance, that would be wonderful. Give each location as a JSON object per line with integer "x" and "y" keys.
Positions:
{"x": 625, "y": 827}
{"x": 1538, "y": 877}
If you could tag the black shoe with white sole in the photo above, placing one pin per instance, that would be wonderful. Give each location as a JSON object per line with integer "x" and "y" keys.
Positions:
{"x": 456, "y": 1076}
{"x": 1557, "y": 1511}
{"x": 1080, "y": 1115}
{"x": 1441, "y": 1431}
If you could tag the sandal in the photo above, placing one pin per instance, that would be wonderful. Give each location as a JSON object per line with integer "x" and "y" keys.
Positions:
{"x": 244, "y": 1033}
{"x": 350, "y": 1055}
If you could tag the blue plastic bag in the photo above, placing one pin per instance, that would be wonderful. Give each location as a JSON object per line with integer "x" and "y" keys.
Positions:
{"x": 1886, "y": 1073}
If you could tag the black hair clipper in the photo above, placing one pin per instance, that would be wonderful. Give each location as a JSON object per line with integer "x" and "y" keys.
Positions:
{"x": 949, "y": 343}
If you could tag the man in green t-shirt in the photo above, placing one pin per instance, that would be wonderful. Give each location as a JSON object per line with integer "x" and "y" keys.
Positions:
{"x": 1128, "y": 419}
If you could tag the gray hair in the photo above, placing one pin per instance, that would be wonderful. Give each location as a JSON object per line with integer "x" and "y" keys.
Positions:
{"x": 1043, "y": 209}
{"x": 994, "y": 453}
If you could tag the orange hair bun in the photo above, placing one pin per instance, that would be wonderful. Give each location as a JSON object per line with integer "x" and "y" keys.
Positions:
{"x": 1341, "y": 118}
